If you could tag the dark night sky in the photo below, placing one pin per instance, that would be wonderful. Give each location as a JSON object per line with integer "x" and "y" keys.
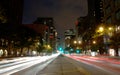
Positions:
{"x": 64, "y": 12}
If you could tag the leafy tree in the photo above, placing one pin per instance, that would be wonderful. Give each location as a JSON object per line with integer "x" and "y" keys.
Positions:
{"x": 115, "y": 41}
{"x": 18, "y": 37}
{"x": 3, "y": 18}
{"x": 40, "y": 48}
{"x": 25, "y": 37}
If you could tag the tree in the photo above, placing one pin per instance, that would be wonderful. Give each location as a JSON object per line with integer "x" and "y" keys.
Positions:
{"x": 67, "y": 49}
{"x": 3, "y": 18}
{"x": 40, "y": 48}
{"x": 115, "y": 42}
{"x": 17, "y": 37}
{"x": 26, "y": 37}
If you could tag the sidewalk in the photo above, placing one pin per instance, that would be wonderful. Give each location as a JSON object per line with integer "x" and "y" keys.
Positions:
{"x": 60, "y": 66}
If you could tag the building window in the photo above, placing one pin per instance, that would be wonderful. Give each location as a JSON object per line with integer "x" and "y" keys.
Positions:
{"x": 106, "y": 1}
{"x": 117, "y": 2}
{"x": 108, "y": 10}
{"x": 118, "y": 15}
{"x": 108, "y": 21}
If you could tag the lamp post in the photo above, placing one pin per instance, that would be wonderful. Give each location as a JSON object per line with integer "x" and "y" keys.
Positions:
{"x": 77, "y": 45}
{"x": 106, "y": 32}
{"x": 94, "y": 42}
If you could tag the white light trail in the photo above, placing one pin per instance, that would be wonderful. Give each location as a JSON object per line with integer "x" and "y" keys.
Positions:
{"x": 34, "y": 60}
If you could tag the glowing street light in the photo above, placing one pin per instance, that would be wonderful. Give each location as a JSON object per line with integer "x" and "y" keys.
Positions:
{"x": 79, "y": 42}
{"x": 106, "y": 32}
{"x": 110, "y": 28}
{"x": 101, "y": 29}
{"x": 48, "y": 46}
{"x": 94, "y": 42}
{"x": 75, "y": 42}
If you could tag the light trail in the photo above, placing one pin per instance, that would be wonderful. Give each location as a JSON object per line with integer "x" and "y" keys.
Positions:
{"x": 34, "y": 60}
{"x": 101, "y": 65}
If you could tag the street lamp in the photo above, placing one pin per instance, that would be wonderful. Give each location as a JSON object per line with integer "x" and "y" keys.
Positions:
{"x": 106, "y": 32}
{"x": 101, "y": 29}
{"x": 94, "y": 42}
{"x": 75, "y": 42}
{"x": 110, "y": 28}
{"x": 79, "y": 42}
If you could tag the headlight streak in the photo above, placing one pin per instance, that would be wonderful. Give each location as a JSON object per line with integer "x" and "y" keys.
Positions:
{"x": 87, "y": 60}
{"x": 34, "y": 60}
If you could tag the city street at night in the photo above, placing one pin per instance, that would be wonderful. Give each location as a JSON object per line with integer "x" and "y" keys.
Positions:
{"x": 61, "y": 65}
{"x": 59, "y": 37}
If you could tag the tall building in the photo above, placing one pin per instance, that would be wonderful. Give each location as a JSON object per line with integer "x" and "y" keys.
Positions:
{"x": 112, "y": 11}
{"x": 111, "y": 18}
{"x": 47, "y": 21}
{"x": 51, "y": 33}
{"x": 11, "y": 11}
{"x": 95, "y": 11}
{"x": 44, "y": 20}
{"x": 10, "y": 17}
{"x": 94, "y": 17}
{"x": 86, "y": 25}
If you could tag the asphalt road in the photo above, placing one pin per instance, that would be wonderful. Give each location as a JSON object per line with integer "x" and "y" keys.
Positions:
{"x": 63, "y": 65}
{"x": 8, "y": 67}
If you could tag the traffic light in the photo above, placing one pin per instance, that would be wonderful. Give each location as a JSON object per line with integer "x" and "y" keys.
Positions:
{"x": 77, "y": 51}
{"x": 60, "y": 48}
